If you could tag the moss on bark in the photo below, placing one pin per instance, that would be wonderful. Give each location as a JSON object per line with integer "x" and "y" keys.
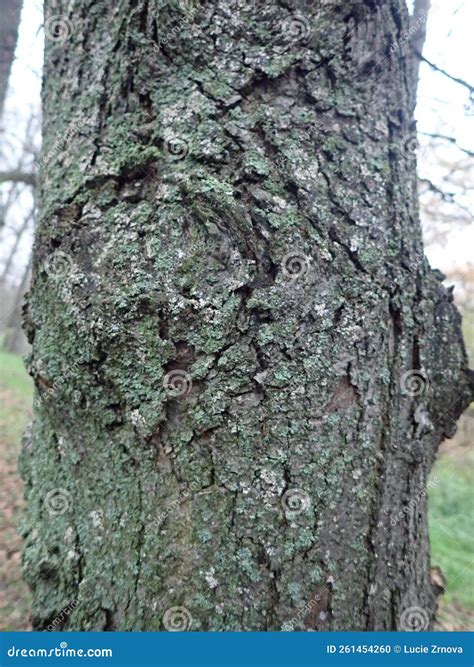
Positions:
{"x": 229, "y": 292}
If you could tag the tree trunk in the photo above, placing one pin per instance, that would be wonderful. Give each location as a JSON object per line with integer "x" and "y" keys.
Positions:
{"x": 11, "y": 10}
{"x": 14, "y": 339}
{"x": 243, "y": 363}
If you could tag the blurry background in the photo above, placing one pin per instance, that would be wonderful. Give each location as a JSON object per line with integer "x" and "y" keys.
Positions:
{"x": 445, "y": 115}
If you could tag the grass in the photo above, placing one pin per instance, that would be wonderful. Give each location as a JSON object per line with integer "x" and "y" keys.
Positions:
{"x": 15, "y": 411}
{"x": 14, "y": 376}
{"x": 451, "y": 516}
{"x": 451, "y": 523}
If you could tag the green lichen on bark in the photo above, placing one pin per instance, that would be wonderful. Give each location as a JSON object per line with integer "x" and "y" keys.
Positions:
{"x": 291, "y": 161}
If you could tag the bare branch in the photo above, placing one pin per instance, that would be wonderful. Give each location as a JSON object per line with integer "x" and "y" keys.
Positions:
{"x": 445, "y": 196}
{"x": 18, "y": 177}
{"x": 18, "y": 237}
{"x": 442, "y": 71}
{"x": 452, "y": 140}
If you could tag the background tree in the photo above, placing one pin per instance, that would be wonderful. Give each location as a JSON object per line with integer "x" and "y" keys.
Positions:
{"x": 244, "y": 364}
{"x": 17, "y": 215}
{"x": 8, "y": 37}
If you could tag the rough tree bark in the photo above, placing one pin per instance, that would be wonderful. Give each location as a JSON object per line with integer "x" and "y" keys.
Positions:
{"x": 243, "y": 363}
